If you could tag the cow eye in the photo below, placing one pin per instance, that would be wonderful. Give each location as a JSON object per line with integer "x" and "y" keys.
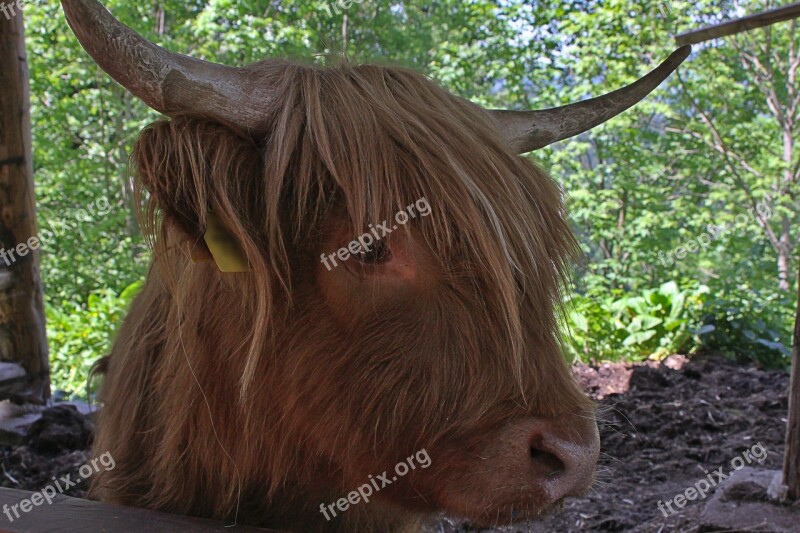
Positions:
{"x": 377, "y": 254}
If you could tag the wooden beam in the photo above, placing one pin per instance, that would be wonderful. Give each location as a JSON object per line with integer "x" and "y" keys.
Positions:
{"x": 74, "y": 515}
{"x": 13, "y": 381}
{"x": 759, "y": 20}
{"x": 10, "y": 373}
{"x": 791, "y": 458}
{"x": 23, "y": 339}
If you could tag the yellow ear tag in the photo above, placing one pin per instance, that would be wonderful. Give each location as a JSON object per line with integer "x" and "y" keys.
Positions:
{"x": 227, "y": 253}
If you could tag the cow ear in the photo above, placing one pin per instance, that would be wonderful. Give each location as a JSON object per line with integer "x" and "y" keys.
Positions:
{"x": 187, "y": 166}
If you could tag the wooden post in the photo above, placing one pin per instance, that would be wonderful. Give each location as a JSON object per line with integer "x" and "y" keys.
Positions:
{"x": 23, "y": 339}
{"x": 791, "y": 458}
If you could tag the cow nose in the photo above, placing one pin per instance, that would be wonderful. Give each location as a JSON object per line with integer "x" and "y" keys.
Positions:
{"x": 562, "y": 455}
{"x": 527, "y": 465}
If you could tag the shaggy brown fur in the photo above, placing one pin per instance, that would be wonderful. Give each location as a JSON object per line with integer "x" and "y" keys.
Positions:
{"x": 258, "y": 396}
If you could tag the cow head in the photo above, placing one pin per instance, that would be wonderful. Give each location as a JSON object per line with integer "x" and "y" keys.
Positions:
{"x": 282, "y": 388}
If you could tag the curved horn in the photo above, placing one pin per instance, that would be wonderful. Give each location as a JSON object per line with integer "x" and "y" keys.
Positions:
{"x": 168, "y": 82}
{"x": 526, "y": 131}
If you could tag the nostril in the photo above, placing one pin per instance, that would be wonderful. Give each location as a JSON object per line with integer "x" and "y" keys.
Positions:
{"x": 557, "y": 457}
{"x": 545, "y": 463}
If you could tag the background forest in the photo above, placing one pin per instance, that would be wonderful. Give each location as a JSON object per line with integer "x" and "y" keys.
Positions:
{"x": 685, "y": 206}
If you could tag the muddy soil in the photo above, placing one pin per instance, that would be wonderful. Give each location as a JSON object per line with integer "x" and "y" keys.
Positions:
{"x": 663, "y": 426}
{"x": 57, "y": 444}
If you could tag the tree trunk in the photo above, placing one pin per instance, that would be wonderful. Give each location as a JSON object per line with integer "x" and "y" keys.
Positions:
{"x": 791, "y": 463}
{"x": 23, "y": 340}
{"x": 784, "y": 253}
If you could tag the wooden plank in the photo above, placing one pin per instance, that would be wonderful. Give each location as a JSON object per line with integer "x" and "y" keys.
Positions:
{"x": 13, "y": 381}
{"x": 759, "y": 20}
{"x": 11, "y": 372}
{"x": 74, "y": 515}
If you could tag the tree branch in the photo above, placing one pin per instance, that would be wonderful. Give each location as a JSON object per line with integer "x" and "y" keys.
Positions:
{"x": 722, "y": 148}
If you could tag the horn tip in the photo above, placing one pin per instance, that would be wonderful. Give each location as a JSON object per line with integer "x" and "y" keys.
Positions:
{"x": 682, "y": 53}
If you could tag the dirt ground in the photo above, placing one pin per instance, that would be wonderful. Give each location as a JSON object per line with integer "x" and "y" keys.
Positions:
{"x": 663, "y": 426}
{"x": 58, "y": 444}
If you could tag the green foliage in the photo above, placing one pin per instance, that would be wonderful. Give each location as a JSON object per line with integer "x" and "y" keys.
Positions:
{"x": 79, "y": 334}
{"x": 704, "y": 148}
{"x": 700, "y": 150}
{"x": 749, "y": 326}
{"x": 658, "y": 322}
{"x": 616, "y": 325}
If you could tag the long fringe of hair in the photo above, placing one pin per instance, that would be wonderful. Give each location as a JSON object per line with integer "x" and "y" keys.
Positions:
{"x": 368, "y": 140}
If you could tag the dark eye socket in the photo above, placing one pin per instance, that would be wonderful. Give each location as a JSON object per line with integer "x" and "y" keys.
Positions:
{"x": 378, "y": 253}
